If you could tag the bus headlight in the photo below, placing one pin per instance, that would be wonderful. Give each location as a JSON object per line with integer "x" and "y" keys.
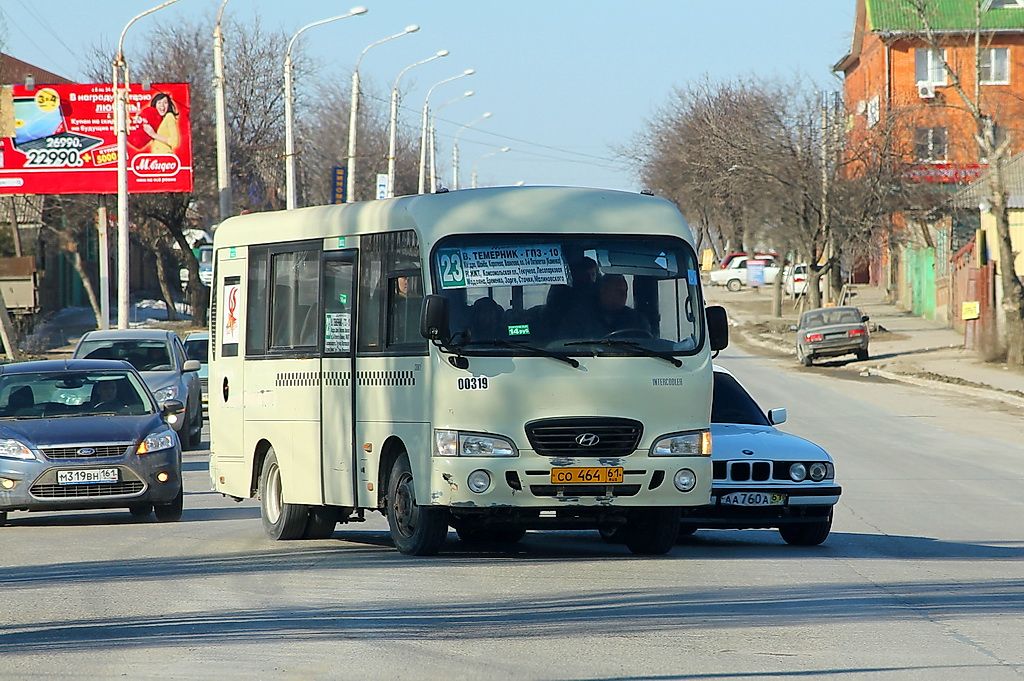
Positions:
{"x": 456, "y": 443}
{"x": 695, "y": 443}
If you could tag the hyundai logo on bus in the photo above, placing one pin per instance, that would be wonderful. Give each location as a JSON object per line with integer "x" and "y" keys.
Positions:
{"x": 587, "y": 440}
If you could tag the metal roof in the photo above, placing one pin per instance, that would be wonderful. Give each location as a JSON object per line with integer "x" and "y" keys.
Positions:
{"x": 899, "y": 16}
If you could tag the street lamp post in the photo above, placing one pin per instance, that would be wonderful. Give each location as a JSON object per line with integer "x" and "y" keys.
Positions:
{"x": 433, "y": 141}
{"x": 423, "y": 125}
{"x": 455, "y": 147}
{"x": 350, "y": 190}
{"x": 223, "y": 162}
{"x": 393, "y": 120}
{"x": 120, "y": 66}
{"x": 289, "y": 136}
{"x": 503, "y": 150}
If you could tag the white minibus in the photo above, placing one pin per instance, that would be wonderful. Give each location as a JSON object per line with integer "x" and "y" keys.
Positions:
{"x": 491, "y": 360}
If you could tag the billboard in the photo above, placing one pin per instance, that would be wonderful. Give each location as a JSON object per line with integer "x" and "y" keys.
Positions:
{"x": 62, "y": 140}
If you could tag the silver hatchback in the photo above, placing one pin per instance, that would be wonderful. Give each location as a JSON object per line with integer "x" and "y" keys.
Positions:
{"x": 831, "y": 332}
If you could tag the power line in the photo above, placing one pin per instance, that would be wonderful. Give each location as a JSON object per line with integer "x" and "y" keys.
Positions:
{"x": 28, "y": 35}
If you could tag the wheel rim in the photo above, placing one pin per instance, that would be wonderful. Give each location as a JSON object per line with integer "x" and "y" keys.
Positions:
{"x": 403, "y": 506}
{"x": 272, "y": 498}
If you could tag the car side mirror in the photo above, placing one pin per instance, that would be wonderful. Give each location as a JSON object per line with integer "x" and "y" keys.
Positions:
{"x": 864, "y": 318}
{"x": 191, "y": 365}
{"x": 792, "y": 327}
{"x": 170, "y": 409}
{"x": 434, "y": 318}
{"x": 718, "y": 327}
{"x": 778, "y": 416}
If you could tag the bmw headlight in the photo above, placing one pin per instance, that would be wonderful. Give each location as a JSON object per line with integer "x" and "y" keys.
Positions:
{"x": 168, "y": 393}
{"x": 695, "y": 443}
{"x": 163, "y": 439}
{"x": 14, "y": 449}
{"x": 457, "y": 443}
{"x": 817, "y": 471}
{"x": 798, "y": 472}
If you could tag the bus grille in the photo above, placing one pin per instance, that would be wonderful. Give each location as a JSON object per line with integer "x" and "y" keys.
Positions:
{"x": 79, "y": 491}
{"x": 565, "y": 436}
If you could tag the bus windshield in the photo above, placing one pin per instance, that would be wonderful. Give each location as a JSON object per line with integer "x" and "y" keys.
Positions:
{"x": 573, "y": 294}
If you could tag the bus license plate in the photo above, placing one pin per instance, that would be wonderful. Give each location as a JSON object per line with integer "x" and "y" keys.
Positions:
{"x": 587, "y": 476}
{"x": 87, "y": 477}
{"x": 753, "y": 499}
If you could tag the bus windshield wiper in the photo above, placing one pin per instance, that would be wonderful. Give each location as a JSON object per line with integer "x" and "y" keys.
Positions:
{"x": 520, "y": 345}
{"x": 633, "y": 345}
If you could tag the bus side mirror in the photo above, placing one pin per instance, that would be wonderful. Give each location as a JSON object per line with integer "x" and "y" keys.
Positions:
{"x": 434, "y": 319}
{"x": 718, "y": 327}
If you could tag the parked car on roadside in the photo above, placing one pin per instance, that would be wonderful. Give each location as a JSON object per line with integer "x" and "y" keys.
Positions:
{"x": 831, "y": 332}
{"x": 159, "y": 357}
{"x": 795, "y": 281}
{"x": 769, "y": 256}
{"x": 84, "y": 434}
{"x": 734, "y": 277}
{"x": 197, "y": 347}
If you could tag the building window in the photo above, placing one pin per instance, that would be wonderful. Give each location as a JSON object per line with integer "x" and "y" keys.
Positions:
{"x": 995, "y": 65}
{"x": 928, "y": 66}
{"x": 930, "y": 145}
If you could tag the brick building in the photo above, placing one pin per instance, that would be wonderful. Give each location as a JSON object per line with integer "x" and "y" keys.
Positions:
{"x": 895, "y": 84}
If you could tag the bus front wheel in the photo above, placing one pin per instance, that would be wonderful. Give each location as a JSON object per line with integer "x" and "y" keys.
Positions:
{"x": 652, "y": 531}
{"x": 280, "y": 520}
{"x": 416, "y": 530}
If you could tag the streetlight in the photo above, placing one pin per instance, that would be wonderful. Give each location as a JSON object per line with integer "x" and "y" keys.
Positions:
{"x": 455, "y": 147}
{"x": 289, "y": 138}
{"x": 121, "y": 129}
{"x": 223, "y": 163}
{"x": 503, "y": 150}
{"x": 350, "y": 190}
{"x": 433, "y": 141}
{"x": 423, "y": 125}
{"x": 392, "y": 134}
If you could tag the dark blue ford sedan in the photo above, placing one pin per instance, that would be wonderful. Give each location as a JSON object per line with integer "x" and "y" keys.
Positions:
{"x": 86, "y": 434}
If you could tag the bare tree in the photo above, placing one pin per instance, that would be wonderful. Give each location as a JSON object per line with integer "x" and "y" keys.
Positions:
{"x": 983, "y": 111}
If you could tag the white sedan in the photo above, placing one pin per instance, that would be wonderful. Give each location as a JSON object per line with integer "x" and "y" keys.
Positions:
{"x": 734, "y": 277}
{"x": 763, "y": 477}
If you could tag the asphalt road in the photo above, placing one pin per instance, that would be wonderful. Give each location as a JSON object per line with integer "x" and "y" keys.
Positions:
{"x": 923, "y": 576}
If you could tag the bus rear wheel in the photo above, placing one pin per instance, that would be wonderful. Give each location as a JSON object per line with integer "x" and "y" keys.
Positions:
{"x": 652, "y": 531}
{"x": 416, "y": 530}
{"x": 280, "y": 520}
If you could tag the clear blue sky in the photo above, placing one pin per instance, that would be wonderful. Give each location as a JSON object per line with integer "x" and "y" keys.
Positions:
{"x": 567, "y": 80}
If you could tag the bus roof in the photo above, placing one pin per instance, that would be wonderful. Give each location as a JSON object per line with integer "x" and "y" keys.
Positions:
{"x": 470, "y": 211}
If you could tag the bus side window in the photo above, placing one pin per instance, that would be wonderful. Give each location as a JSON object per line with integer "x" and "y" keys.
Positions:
{"x": 405, "y": 298}
{"x": 295, "y": 309}
{"x": 256, "y": 314}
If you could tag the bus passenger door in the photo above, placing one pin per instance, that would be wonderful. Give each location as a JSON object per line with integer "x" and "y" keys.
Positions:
{"x": 227, "y": 322}
{"x": 337, "y": 412}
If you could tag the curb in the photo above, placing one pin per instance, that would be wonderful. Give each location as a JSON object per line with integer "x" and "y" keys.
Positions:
{"x": 974, "y": 391}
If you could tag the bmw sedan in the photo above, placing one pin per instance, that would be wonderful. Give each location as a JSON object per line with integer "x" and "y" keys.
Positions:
{"x": 86, "y": 434}
{"x": 763, "y": 477}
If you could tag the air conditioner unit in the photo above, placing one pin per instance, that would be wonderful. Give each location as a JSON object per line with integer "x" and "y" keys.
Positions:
{"x": 926, "y": 91}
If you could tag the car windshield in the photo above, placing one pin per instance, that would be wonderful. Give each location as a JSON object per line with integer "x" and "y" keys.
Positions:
{"x": 197, "y": 349}
{"x": 817, "y": 318}
{"x": 571, "y": 294}
{"x": 72, "y": 393}
{"x": 144, "y": 355}
{"x": 732, "y": 404}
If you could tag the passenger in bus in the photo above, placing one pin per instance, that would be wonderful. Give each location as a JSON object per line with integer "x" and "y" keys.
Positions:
{"x": 404, "y": 310}
{"x": 612, "y": 314}
{"x": 487, "y": 320}
{"x": 568, "y": 301}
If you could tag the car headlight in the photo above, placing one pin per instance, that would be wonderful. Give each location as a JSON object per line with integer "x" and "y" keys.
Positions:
{"x": 154, "y": 442}
{"x": 695, "y": 443}
{"x": 14, "y": 449}
{"x": 798, "y": 472}
{"x": 456, "y": 443}
{"x": 817, "y": 471}
{"x": 168, "y": 393}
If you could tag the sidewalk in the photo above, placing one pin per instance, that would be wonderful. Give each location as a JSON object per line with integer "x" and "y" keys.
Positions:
{"x": 903, "y": 347}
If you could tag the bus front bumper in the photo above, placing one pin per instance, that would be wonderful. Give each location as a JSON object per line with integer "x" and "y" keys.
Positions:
{"x": 528, "y": 481}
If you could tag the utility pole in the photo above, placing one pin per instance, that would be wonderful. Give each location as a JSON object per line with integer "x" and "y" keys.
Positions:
{"x": 104, "y": 247}
{"x": 15, "y": 229}
{"x": 223, "y": 153}
{"x": 826, "y": 156}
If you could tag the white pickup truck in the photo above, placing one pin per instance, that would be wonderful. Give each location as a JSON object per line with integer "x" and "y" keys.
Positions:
{"x": 734, "y": 277}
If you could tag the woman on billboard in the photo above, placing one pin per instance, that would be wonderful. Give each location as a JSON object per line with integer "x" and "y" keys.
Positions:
{"x": 158, "y": 131}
